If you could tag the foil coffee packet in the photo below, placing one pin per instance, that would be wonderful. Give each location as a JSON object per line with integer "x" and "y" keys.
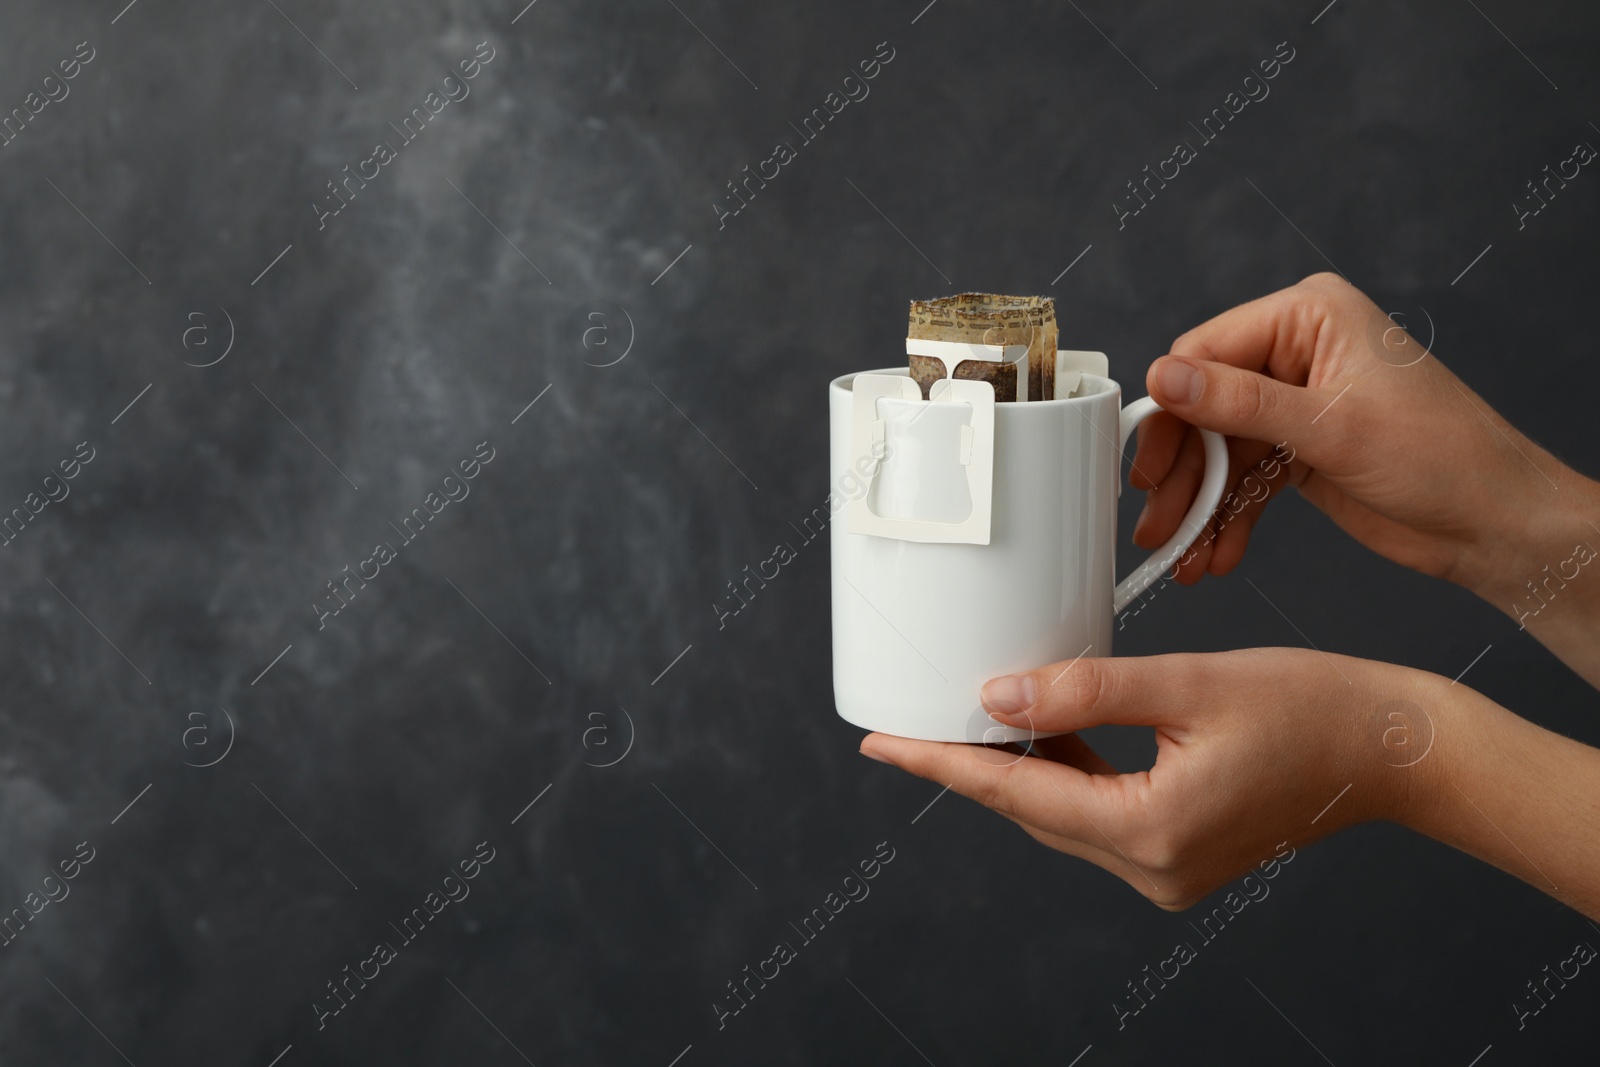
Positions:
{"x": 1021, "y": 331}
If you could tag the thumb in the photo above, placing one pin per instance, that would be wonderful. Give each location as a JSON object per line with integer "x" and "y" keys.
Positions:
{"x": 1123, "y": 690}
{"x": 1240, "y": 403}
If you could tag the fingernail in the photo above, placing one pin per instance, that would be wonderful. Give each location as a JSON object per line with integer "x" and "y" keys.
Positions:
{"x": 873, "y": 755}
{"x": 1009, "y": 696}
{"x": 1178, "y": 382}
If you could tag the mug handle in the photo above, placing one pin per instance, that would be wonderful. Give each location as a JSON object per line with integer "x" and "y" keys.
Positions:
{"x": 1210, "y": 495}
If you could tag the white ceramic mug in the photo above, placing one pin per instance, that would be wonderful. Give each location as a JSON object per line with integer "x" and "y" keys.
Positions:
{"x": 918, "y": 627}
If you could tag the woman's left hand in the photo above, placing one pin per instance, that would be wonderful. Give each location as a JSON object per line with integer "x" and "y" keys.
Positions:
{"x": 1254, "y": 748}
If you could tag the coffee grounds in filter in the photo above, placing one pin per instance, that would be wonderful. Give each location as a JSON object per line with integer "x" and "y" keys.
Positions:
{"x": 988, "y": 319}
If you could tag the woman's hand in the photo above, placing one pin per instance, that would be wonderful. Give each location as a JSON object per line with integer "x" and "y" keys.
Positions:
{"x": 1269, "y": 746}
{"x": 1252, "y": 746}
{"x": 1318, "y": 388}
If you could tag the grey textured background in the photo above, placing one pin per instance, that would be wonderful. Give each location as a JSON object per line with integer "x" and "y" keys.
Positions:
{"x": 409, "y": 330}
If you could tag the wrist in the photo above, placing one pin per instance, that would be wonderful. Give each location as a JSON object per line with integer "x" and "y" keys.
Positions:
{"x": 1514, "y": 795}
{"x": 1534, "y": 562}
{"x": 1460, "y": 731}
{"x": 1414, "y": 748}
{"x": 1553, "y": 588}
{"x": 1408, "y": 746}
{"x": 1490, "y": 771}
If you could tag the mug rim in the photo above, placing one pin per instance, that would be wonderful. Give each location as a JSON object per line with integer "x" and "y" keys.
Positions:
{"x": 1113, "y": 393}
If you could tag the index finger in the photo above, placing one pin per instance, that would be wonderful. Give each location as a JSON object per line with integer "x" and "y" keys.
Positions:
{"x": 1029, "y": 789}
{"x": 1277, "y": 333}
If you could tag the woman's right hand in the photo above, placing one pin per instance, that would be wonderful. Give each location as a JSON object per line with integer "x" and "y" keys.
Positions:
{"x": 1377, "y": 433}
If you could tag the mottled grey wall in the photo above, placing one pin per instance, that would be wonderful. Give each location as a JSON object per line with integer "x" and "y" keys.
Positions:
{"x": 519, "y": 642}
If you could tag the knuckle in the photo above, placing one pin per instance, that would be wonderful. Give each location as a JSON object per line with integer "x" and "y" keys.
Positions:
{"x": 1317, "y": 299}
{"x": 1174, "y": 889}
{"x": 988, "y": 793}
{"x": 1164, "y": 853}
{"x": 1160, "y": 852}
{"x": 1175, "y": 899}
{"x": 1355, "y": 423}
{"x": 1192, "y": 343}
{"x": 1247, "y": 399}
{"x": 995, "y": 790}
{"x": 1079, "y": 688}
